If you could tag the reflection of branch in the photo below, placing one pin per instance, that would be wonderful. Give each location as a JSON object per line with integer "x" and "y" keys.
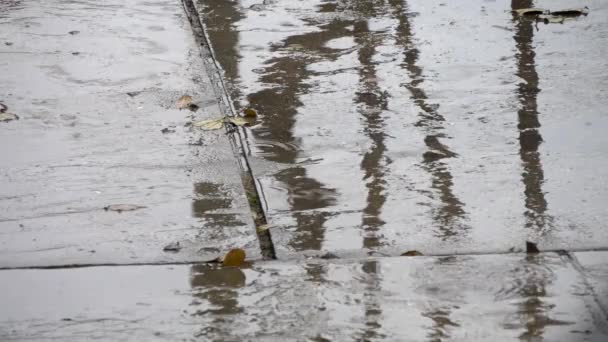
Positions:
{"x": 371, "y": 101}
{"x": 451, "y": 209}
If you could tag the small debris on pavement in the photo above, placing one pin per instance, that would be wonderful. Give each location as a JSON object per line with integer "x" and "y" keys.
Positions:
{"x": 553, "y": 17}
{"x": 234, "y": 257}
{"x": 123, "y": 207}
{"x": 184, "y": 102}
{"x": 531, "y": 248}
{"x": 167, "y": 130}
{"x": 172, "y": 247}
{"x": 530, "y": 11}
{"x": 412, "y": 253}
{"x": 328, "y": 256}
{"x": 74, "y": 32}
{"x": 571, "y": 12}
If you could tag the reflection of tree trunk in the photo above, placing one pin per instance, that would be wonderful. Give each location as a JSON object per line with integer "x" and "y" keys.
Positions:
{"x": 450, "y": 213}
{"x": 371, "y": 102}
{"x": 532, "y": 312}
{"x": 220, "y": 17}
{"x": 373, "y": 308}
{"x": 440, "y": 313}
{"x": 528, "y": 123}
{"x": 218, "y": 287}
{"x": 279, "y": 107}
{"x": 532, "y": 309}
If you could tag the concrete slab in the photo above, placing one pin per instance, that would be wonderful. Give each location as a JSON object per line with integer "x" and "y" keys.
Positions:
{"x": 595, "y": 266}
{"x": 430, "y": 125}
{"x": 465, "y": 298}
{"x": 95, "y": 86}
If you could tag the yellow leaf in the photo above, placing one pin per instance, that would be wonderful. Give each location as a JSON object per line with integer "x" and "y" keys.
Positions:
{"x": 262, "y": 228}
{"x": 184, "y": 102}
{"x": 209, "y": 124}
{"x": 8, "y": 116}
{"x": 237, "y": 120}
{"x": 250, "y": 112}
{"x": 235, "y": 257}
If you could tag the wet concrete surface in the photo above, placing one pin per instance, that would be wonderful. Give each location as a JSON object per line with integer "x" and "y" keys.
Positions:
{"x": 430, "y": 125}
{"x": 464, "y": 298}
{"x": 384, "y": 126}
{"x": 95, "y": 87}
{"x": 595, "y": 267}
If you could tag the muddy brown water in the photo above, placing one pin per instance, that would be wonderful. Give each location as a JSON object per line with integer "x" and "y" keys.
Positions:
{"x": 421, "y": 124}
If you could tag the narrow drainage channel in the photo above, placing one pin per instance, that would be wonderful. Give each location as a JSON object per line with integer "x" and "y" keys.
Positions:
{"x": 252, "y": 190}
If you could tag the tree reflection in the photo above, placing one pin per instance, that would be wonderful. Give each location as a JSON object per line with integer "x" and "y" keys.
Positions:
{"x": 449, "y": 215}
{"x": 528, "y": 123}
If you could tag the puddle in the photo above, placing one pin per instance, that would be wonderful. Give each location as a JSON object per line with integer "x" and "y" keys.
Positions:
{"x": 427, "y": 121}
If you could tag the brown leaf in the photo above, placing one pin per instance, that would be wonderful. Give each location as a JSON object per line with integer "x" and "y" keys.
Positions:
{"x": 412, "y": 253}
{"x": 249, "y": 112}
{"x": 184, "y": 102}
{"x": 235, "y": 257}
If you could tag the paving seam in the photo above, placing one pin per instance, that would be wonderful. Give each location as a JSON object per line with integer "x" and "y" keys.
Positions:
{"x": 600, "y": 321}
{"x": 559, "y": 252}
{"x": 235, "y": 134}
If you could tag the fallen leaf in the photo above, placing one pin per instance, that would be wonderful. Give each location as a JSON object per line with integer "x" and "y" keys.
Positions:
{"x": 262, "y": 228}
{"x": 209, "y": 124}
{"x": 235, "y": 257}
{"x": 250, "y": 112}
{"x": 74, "y": 32}
{"x": 172, "y": 247}
{"x": 529, "y": 11}
{"x": 412, "y": 253}
{"x": 571, "y": 12}
{"x": 531, "y": 248}
{"x": 184, "y": 102}
{"x": 5, "y": 117}
{"x": 123, "y": 207}
{"x": 3, "y": 108}
{"x": 238, "y": 120}
{"x": 550, "y": 19}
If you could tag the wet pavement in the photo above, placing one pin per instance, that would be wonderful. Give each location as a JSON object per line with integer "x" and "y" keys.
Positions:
{"x": 457, "y": 130}
{"x": 99, "y": 126}
{"x": 392, "y": 125}
{"x": 464, "y": 298}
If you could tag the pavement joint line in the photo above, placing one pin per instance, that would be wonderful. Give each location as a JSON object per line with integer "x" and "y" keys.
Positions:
{"x": 560, "y": 252}
{"x": 603, "y": 321}
{"x": 239, "y": 146}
